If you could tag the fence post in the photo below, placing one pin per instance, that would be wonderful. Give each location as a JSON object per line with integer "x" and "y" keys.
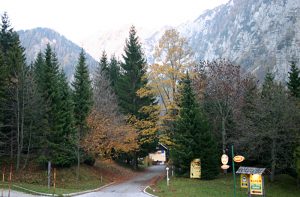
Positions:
{"x": 3, "y": 180}
{"x": 54, "y": 181}
{"x": 49, "y": 174}
{"x": 10, "y": 175}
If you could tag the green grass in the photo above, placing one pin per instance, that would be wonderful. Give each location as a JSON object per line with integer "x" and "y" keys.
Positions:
{"x": 65, "y": 181}
{"x": 284, "y": 186}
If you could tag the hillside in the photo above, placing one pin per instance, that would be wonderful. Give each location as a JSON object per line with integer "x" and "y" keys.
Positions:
{"x": 35, "y": 40}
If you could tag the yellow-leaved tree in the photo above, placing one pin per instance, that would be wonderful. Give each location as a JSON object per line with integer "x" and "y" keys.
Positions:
{"x": 173, "y": 57}
{"x": 109, "y": 131}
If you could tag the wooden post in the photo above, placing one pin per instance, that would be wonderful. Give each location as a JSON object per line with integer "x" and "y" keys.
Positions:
{"x": 233, "y": 172}
{"x": 249, "y": 195}
{"x": 49, "y": 174}
{"x": 54, "y": 180}
{"x": 10, "y": 175}
{"x": 3, "y": 180}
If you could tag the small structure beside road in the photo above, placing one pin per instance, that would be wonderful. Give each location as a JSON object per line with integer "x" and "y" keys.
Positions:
{"x": 161, "y": 155}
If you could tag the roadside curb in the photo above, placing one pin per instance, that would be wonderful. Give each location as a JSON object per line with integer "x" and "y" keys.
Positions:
{"x": 70, "y": 194}
{"x": 88, "y": 191}
{"x": 147, "y": 192}
{"x": 34, "y": 192}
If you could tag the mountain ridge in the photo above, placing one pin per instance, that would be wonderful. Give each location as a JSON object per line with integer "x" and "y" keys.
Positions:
{"x": 35, "y": 40}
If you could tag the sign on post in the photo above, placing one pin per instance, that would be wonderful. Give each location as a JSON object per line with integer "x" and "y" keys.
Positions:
{"x": 256, "y": 184}
{"x": 224, "y": 159}
{"x": 195, "y": 169}
{"x": 244, "y": 181}
{"x": 238, "y": 158}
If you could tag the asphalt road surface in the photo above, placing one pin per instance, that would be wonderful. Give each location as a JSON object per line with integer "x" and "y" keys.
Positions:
{"x": 130, "y": 188}
{"x": 15, "y": 194}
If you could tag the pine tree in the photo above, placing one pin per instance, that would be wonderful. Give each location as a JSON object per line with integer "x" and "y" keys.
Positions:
{"x": 294, "y": 80}
{"x": 132, "y": 79}
{"x": 53, "y": 86}
{"x": 12, "y": 101}
{"x": 82, "y": 98}
{"x": 114, "y": 71}
{"x": 140, "y": 109}
{"x": 104, "y": 65}
{"x": 192, "y": 137}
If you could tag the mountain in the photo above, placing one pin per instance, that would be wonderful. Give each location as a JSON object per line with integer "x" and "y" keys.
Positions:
{"x": 35, "y": 40}
{"x": 112, "y": 40}
{"x": 260, "y": 35}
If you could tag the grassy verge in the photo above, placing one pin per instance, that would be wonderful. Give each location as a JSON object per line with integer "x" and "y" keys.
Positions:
{"x": 65, "y": 182}
{"x": 91, "y": 177}
{"x": 223, "y": 186}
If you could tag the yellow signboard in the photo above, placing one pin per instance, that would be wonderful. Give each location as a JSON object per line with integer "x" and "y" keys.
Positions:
{"x": 256, "y": 184}
{"x": 195, "y": 169}
{"x": 244, "y": 181}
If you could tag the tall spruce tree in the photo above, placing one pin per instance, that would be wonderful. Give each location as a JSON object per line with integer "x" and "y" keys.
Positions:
{"x": 131, "y": 80}
{"x": 54, "y": 88}
{"x": 132, "y": 77}
{"x": 12, "y": 101}
{"x": 82, "y": 98}
{"x": 104, "y": 65}
{"x": 294, "y": 80}
{"x": 114, "y": 71}
{"x": 192, "y": 136}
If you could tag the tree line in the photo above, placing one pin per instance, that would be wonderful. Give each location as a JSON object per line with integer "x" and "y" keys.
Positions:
{"x": 126, "y": 107}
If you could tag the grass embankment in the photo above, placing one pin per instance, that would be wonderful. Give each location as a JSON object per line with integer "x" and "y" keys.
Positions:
{"x": 91, "y": 177}
{"x": 284, "y": 186}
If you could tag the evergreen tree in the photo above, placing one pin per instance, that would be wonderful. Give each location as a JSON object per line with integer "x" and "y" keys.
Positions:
{"x": 103, "y": 65}
{"x": 114, "y": 71}
{"x": 294, "y": 80}
{"x": 54, "y": 88}
{"x": 82, "y": 94}
{"x": 132, "y": 77}
{"x": 192, "y": 137}
{"x": 12, "y": 99}
{"x": 141, "y": 109}
{"x": 82, "y": 98}
{"x": 277, "y": 115}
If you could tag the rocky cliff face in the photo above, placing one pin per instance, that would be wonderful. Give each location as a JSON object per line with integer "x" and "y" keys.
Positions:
{"x": 260, "y": 35}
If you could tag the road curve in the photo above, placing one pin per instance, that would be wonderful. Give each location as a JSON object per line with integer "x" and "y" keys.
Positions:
{"x": 130, "y": 188}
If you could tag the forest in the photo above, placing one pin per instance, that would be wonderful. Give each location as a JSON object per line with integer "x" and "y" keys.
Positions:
{"x": 123, "y": 109}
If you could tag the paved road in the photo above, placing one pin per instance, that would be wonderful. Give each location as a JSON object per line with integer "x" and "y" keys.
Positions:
{"x": 131, "y": 188}
{"x": 15, "y": 194}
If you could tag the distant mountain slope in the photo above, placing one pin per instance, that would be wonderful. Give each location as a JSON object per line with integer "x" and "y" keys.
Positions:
{"x": 35, "y": 40}
{"x": 112, "y": 41}
{"x": 259, "y": 35}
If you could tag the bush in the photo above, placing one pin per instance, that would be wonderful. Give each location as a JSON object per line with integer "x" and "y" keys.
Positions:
{"x": 89, "y": 160}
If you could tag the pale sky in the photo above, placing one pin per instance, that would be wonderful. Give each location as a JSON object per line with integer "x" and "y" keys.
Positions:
{"x": 77, "y": 19}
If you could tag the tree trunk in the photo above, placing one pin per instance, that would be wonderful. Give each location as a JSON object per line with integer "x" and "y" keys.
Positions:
{"x": 18, "y": 129}
{"x": 28, "y": 147}
{"x": 78, "y": 153}
{"x": 273, "y": 162}
{"x": 136, "y": 162}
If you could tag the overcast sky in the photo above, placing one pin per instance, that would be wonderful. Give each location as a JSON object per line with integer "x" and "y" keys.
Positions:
{"x": 77, "y": 19}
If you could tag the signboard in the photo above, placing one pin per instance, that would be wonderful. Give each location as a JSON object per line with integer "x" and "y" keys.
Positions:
{"x": 238, "y": 158}
{"x": 244, "y": 181}
{"x": 195, "y": 169}
{"x": 225, "y": 167}
{"x": 224, "y": 159}
{"x": 256, "y": 184}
